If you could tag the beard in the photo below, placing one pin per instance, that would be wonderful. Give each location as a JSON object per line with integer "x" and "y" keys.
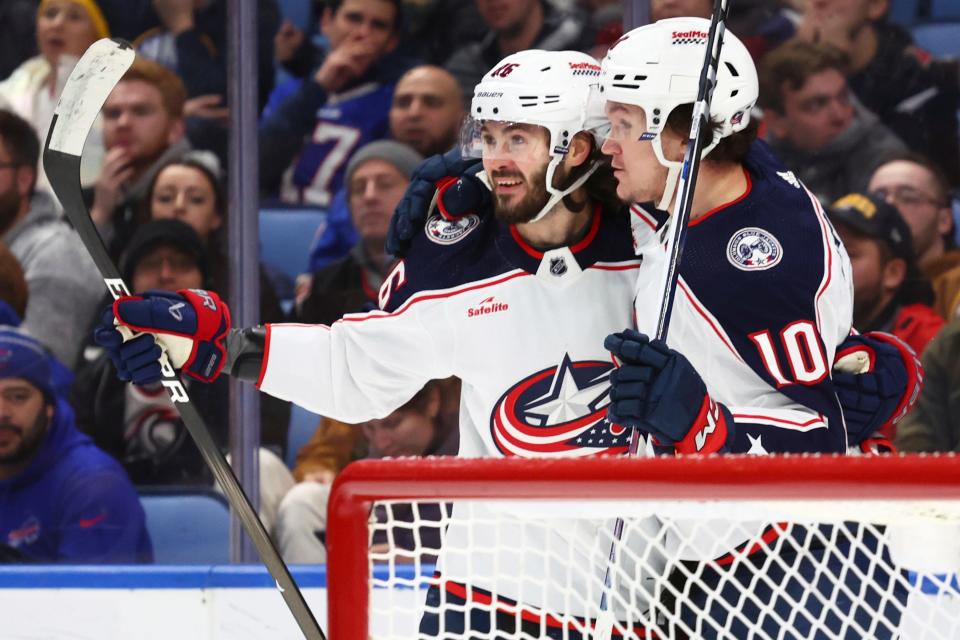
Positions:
{"x": 10, "y": 202}
{"x": 536, "y": 198}
{"x": 30, "y": 440}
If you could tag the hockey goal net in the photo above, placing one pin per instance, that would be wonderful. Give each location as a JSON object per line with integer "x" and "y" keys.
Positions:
{"x": 720, "y": 547}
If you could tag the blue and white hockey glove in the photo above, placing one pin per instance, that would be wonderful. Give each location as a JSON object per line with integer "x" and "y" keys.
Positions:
{"x": 190, "y": 325}
{"x": 458, "y": 191}
{"x": 657, "y": 391}
{"x": 877, "y": 378}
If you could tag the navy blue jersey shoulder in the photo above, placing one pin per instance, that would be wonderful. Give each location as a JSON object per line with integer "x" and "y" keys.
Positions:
{"x": 759, "y": 265}
{"x": 479, "y": 247}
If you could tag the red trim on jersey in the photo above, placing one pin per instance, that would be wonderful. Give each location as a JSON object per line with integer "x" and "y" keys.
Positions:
{"x": 372, "y": 295}
{"x": 475, "y": 595}
{"x": 698, "y": 308}
{"x": 580, "y": 246}
{"x": 771, "y": 533}
{"x": 591, "y": 234}
{"x": 266, "y": 358}
{"x": 615, "y": 267}
{"x": 644, "y": 216}
{"x": 812, "y": 421}
{"x": 409, "y": 303}
{"x": 825, "y": 236}
{"x": 746, "y": 174}
{"x": 530, "y": 251}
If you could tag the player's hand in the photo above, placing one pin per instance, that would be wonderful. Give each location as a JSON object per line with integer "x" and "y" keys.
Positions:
{"x": 657, "y": 391}
{"x": 190, "y": 325}
{"x": 460, "y": 193}
{"x": 878, "y": 379}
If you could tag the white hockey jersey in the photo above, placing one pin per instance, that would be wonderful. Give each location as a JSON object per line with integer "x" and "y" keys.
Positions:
{"x": 524, "y": 331}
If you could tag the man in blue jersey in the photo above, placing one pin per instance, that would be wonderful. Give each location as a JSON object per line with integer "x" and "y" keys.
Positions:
{"x": 307, "y": 139}
{"x": 61, "y": 498}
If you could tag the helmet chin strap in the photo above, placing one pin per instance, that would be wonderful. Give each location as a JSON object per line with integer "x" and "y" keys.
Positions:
{"x": 557, "y": 195}
{"x": 673, "y": 170}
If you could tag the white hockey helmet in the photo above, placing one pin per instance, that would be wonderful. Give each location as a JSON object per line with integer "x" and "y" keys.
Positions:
{"x": 550, "y": 89}
{"x": 657, "y": 67}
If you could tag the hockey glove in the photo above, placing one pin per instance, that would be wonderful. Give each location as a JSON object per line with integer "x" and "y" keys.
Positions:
{"x": 877, "y": 378}
{"x": 657, "y": 390}
{"x": 190, "y": 325}
{"x": 460, "y": 192}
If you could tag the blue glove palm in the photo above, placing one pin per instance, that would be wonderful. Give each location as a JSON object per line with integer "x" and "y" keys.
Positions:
{"x": 462, "y": 193}
{"x": 657, "y": 391}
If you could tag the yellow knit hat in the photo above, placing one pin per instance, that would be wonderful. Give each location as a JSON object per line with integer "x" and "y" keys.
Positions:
{"x": 96, "y": 16}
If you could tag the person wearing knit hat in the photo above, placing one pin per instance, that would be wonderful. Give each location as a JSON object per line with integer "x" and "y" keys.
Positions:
{"x": 165, "y": 254}
{"x": 376, "y": 178}
{"x": 63, "y": 499}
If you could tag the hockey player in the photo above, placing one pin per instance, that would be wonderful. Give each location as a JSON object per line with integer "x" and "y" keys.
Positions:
{"x": 764, "y": 293}
{"x": 763, "y": 300}
{"x": 516, "y": 304}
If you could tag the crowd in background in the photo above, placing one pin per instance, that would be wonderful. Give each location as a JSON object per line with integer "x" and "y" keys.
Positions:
{"x": 354, "y": 94}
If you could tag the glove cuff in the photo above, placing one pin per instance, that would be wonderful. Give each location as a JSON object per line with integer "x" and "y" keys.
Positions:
{"x": 213, "y": 323}
{"x": 710, "y": 432}
{"x": 914, "y": 369}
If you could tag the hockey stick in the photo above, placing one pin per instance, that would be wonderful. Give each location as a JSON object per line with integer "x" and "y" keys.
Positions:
{"x": 97, "y": 72}
{"x": 678, "y": 235}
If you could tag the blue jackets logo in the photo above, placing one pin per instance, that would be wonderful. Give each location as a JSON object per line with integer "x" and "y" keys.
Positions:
{"x": 559, "y": 411}
{"x": 443, "y": 231}
{"x": 754, "y": 249}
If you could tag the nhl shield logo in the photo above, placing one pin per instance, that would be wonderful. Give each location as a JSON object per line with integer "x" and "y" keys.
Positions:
{"x": 443, "y": 231}
{"x": 754, "y": 249}
{"x": 558, "y": 266}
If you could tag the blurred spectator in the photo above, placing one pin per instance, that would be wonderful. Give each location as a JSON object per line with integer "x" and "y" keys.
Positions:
{"x": 377, "y": 176}
{"x": 18, "y": 37}
{"x": 307, "y": 138}
{"x": 412, "y": 430}
{"x": 13, "y": 288}
{"x": 64, "y": 500}
{"x": 934, "y": 423}
{"x": 142, "y": 127}
{"x": 65, "y": 28}
{"x": 138, "y": 425}
{"x": 605, "y": 22}
{"x": 14, "y": 296}
{"x": 189, "y": 37}
{"x": 815, "y": 126}
{"x": 920, "y": 191}
{"x": 889, "y": 292}
{"x": 65, "y": 285}
{"x": 427, "y": 110}
{"x": 663, "y": 9}
{"x": 515, "y": 25}
{"x": 426, "y": 114}
{"x": 190, "y": 188}
{"x": 434, "y": 28}
{"x": 892, "y": 78}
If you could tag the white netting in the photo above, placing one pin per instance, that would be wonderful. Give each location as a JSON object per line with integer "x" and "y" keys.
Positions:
{"x": 696, "y": 569}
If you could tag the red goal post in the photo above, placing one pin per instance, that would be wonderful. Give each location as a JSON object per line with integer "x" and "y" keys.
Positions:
{"x": 901, "y": 479}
